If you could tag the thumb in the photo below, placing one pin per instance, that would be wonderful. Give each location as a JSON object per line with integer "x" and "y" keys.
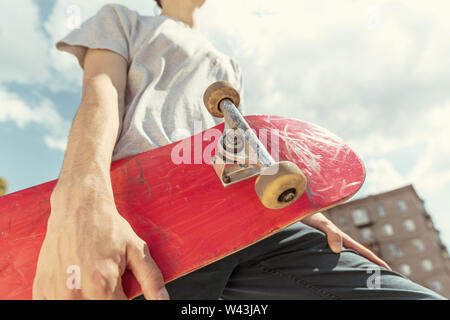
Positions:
{"x": 334, "y": 240}
{"x": 147, "y": 272}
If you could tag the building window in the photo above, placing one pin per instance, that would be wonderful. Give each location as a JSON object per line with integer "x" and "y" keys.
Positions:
{"x": 388, "y": 230}
{"x": 360, "y": 217}
{"x": 436, "y": 285}
{"x": 402, "y": 205}
{"x": 381, "y": 212}
{"x": 405, "y": 269}
{"x": 418, "y": 244}
{"x": 427, "y": 265}
{"x": 366, "y": 235}
{"x": 395, "y": 250}
{"x": 409, "y": 225}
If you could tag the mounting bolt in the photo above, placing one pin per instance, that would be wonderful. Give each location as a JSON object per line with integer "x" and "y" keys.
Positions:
{"x": 287, "y": 196}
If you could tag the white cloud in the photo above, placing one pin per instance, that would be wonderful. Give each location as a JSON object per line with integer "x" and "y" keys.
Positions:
{"x": 56, "y": 143}
{"x": 382, "y": 176}
{"x": 375, "y": 73}
{"x": 373, "y": 84}
{"x": 24, "y": 47}
{"x": 14, "y": 109}
{"x": 432, "y": 171}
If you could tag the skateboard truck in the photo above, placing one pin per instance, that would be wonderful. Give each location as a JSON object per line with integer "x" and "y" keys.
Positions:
{"x": 241, "y": 155}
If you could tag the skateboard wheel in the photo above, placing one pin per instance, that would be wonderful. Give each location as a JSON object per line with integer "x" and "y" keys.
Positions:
{"x": 217, "y": 92}
{"x": 281, "y": 189}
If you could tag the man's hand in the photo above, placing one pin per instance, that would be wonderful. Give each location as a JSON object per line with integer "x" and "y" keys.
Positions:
{"x": 87, "y": 232}
{"x": 337, "y": 238}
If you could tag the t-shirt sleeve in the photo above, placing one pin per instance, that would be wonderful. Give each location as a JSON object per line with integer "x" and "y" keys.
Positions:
{"x": 109, "y": 29}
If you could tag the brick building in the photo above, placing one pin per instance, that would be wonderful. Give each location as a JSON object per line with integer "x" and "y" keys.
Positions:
{"x": 396, "y": 226}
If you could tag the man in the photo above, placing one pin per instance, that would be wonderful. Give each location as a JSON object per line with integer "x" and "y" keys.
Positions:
{"x": 143, "y": 78}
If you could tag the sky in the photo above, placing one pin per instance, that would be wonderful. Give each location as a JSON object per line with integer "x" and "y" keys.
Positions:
{"x": 376, "y": 73}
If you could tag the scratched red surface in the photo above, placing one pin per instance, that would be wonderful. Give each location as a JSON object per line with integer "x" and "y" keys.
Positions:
{"x": 188, "y": 219}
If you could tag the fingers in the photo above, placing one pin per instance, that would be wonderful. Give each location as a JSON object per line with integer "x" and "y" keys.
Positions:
{"x": 334, "y": 237}
{"x": 147, "y": 272}
{"x": 365, "y": 252}
{"x": 102, "y": 282}
{"x": 338, "y": 239}
{"x": 119, "y": 294}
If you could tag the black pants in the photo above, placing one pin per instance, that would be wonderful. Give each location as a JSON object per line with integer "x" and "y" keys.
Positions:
{"x": 296, "y": 263}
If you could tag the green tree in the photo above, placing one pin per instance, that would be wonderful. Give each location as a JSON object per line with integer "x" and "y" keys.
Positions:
{"x": 3, "y": 186}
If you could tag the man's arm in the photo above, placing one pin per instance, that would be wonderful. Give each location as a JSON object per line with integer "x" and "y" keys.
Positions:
{"x": 98, "y": 122}
{"x": 85, "y": 232}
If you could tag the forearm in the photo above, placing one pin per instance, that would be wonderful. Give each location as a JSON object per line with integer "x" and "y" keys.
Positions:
{"x": 96, "y": 127}
{"x": 93, "y": 135}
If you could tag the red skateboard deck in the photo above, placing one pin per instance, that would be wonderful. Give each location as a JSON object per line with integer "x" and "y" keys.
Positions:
{"x": 182, "y": 211}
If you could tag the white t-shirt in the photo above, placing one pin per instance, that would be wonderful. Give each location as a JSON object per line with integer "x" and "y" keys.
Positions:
{"x": 170, "y": 66}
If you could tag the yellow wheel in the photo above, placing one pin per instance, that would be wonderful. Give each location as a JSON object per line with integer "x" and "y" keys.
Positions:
{"x": 216, "y": 93}
{"x": 283, "y": 188}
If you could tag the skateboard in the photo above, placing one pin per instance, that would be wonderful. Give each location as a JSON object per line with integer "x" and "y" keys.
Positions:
{"x": 202, "y": 198}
